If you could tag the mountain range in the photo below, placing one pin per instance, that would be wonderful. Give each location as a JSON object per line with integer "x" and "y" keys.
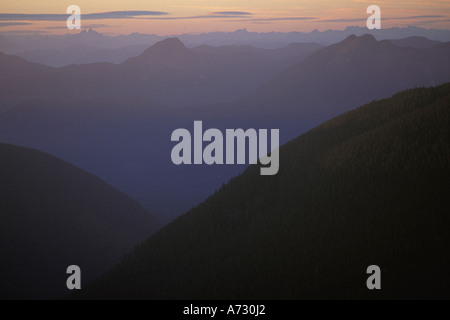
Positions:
{"x": 173, "y": 74}
{"x": 14, "y": 43}
{"x": 109, "y": 120}
{"x": 167, "y": 72}
{"x": 92, "y": 47}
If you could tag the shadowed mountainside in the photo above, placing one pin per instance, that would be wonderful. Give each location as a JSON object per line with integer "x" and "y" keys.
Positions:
{"x": 368, "y": 187}
{"x": 54, "y": 215}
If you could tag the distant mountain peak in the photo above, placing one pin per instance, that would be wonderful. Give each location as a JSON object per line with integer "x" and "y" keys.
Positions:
{"x": 165, "y": 50}
{"x": 354, "y": 43}
{"x": 351, "y": 37}
{"x": 366, "y": 38}
{"x": 92, "y": 31}
{"x": 169, "y": 44}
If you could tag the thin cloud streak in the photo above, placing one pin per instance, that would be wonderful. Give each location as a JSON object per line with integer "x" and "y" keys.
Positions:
{"x": 387, "y": 19}
{"x": 416, "y": 17}
{"x": 233, "y": 13}
{"x": 88, "y": 26}
{"x": 23, "y": 32}
{"x": 282, "y": 19}
{"x": 209, "y": 16}
{"x": 10, "y": 24}
{"x": 236, "y": 18}
{"x": 90, "y": 16}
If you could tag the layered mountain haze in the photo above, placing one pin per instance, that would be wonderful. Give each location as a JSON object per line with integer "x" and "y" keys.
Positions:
{"x": 345, "y": 75}
{"x": 167, "y": 72}
{"x": 20, "y": 43}
{"x": 91, "y": 47}
{"x": 82, "y": 55}
{"x": 415, "y": 42}
{"x": 368, "y": 187}
{"x": 109, "y": 120}
{"x": 54, "y": 215}
{"x": 285, "y": 57}
{"x": 175, "y": 75}
{"x": 125, "y": 141}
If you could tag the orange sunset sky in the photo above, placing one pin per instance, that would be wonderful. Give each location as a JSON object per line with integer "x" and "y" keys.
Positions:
{"x": 170, "y": 17}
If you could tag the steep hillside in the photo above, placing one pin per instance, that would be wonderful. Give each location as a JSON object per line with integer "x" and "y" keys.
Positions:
{"x": 347, "y": 74}
{"x": 53, "y": 215}
{"x": 369, "y": 187}
{"x": 124, "y": 141}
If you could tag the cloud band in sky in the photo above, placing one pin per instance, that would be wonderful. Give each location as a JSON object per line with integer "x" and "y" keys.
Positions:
{"x": 89, "y": 16}
{"x": 233, "y": 13}
{"x": 9, "y": 24}
{"x": 387, "y": 18}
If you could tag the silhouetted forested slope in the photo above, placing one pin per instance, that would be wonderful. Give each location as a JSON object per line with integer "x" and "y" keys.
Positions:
{"x": 369, "y": 187}
{"x": 53, "y": 215}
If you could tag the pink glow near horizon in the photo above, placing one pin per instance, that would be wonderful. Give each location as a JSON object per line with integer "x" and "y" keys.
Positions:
{"x": 188, "y": 16}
